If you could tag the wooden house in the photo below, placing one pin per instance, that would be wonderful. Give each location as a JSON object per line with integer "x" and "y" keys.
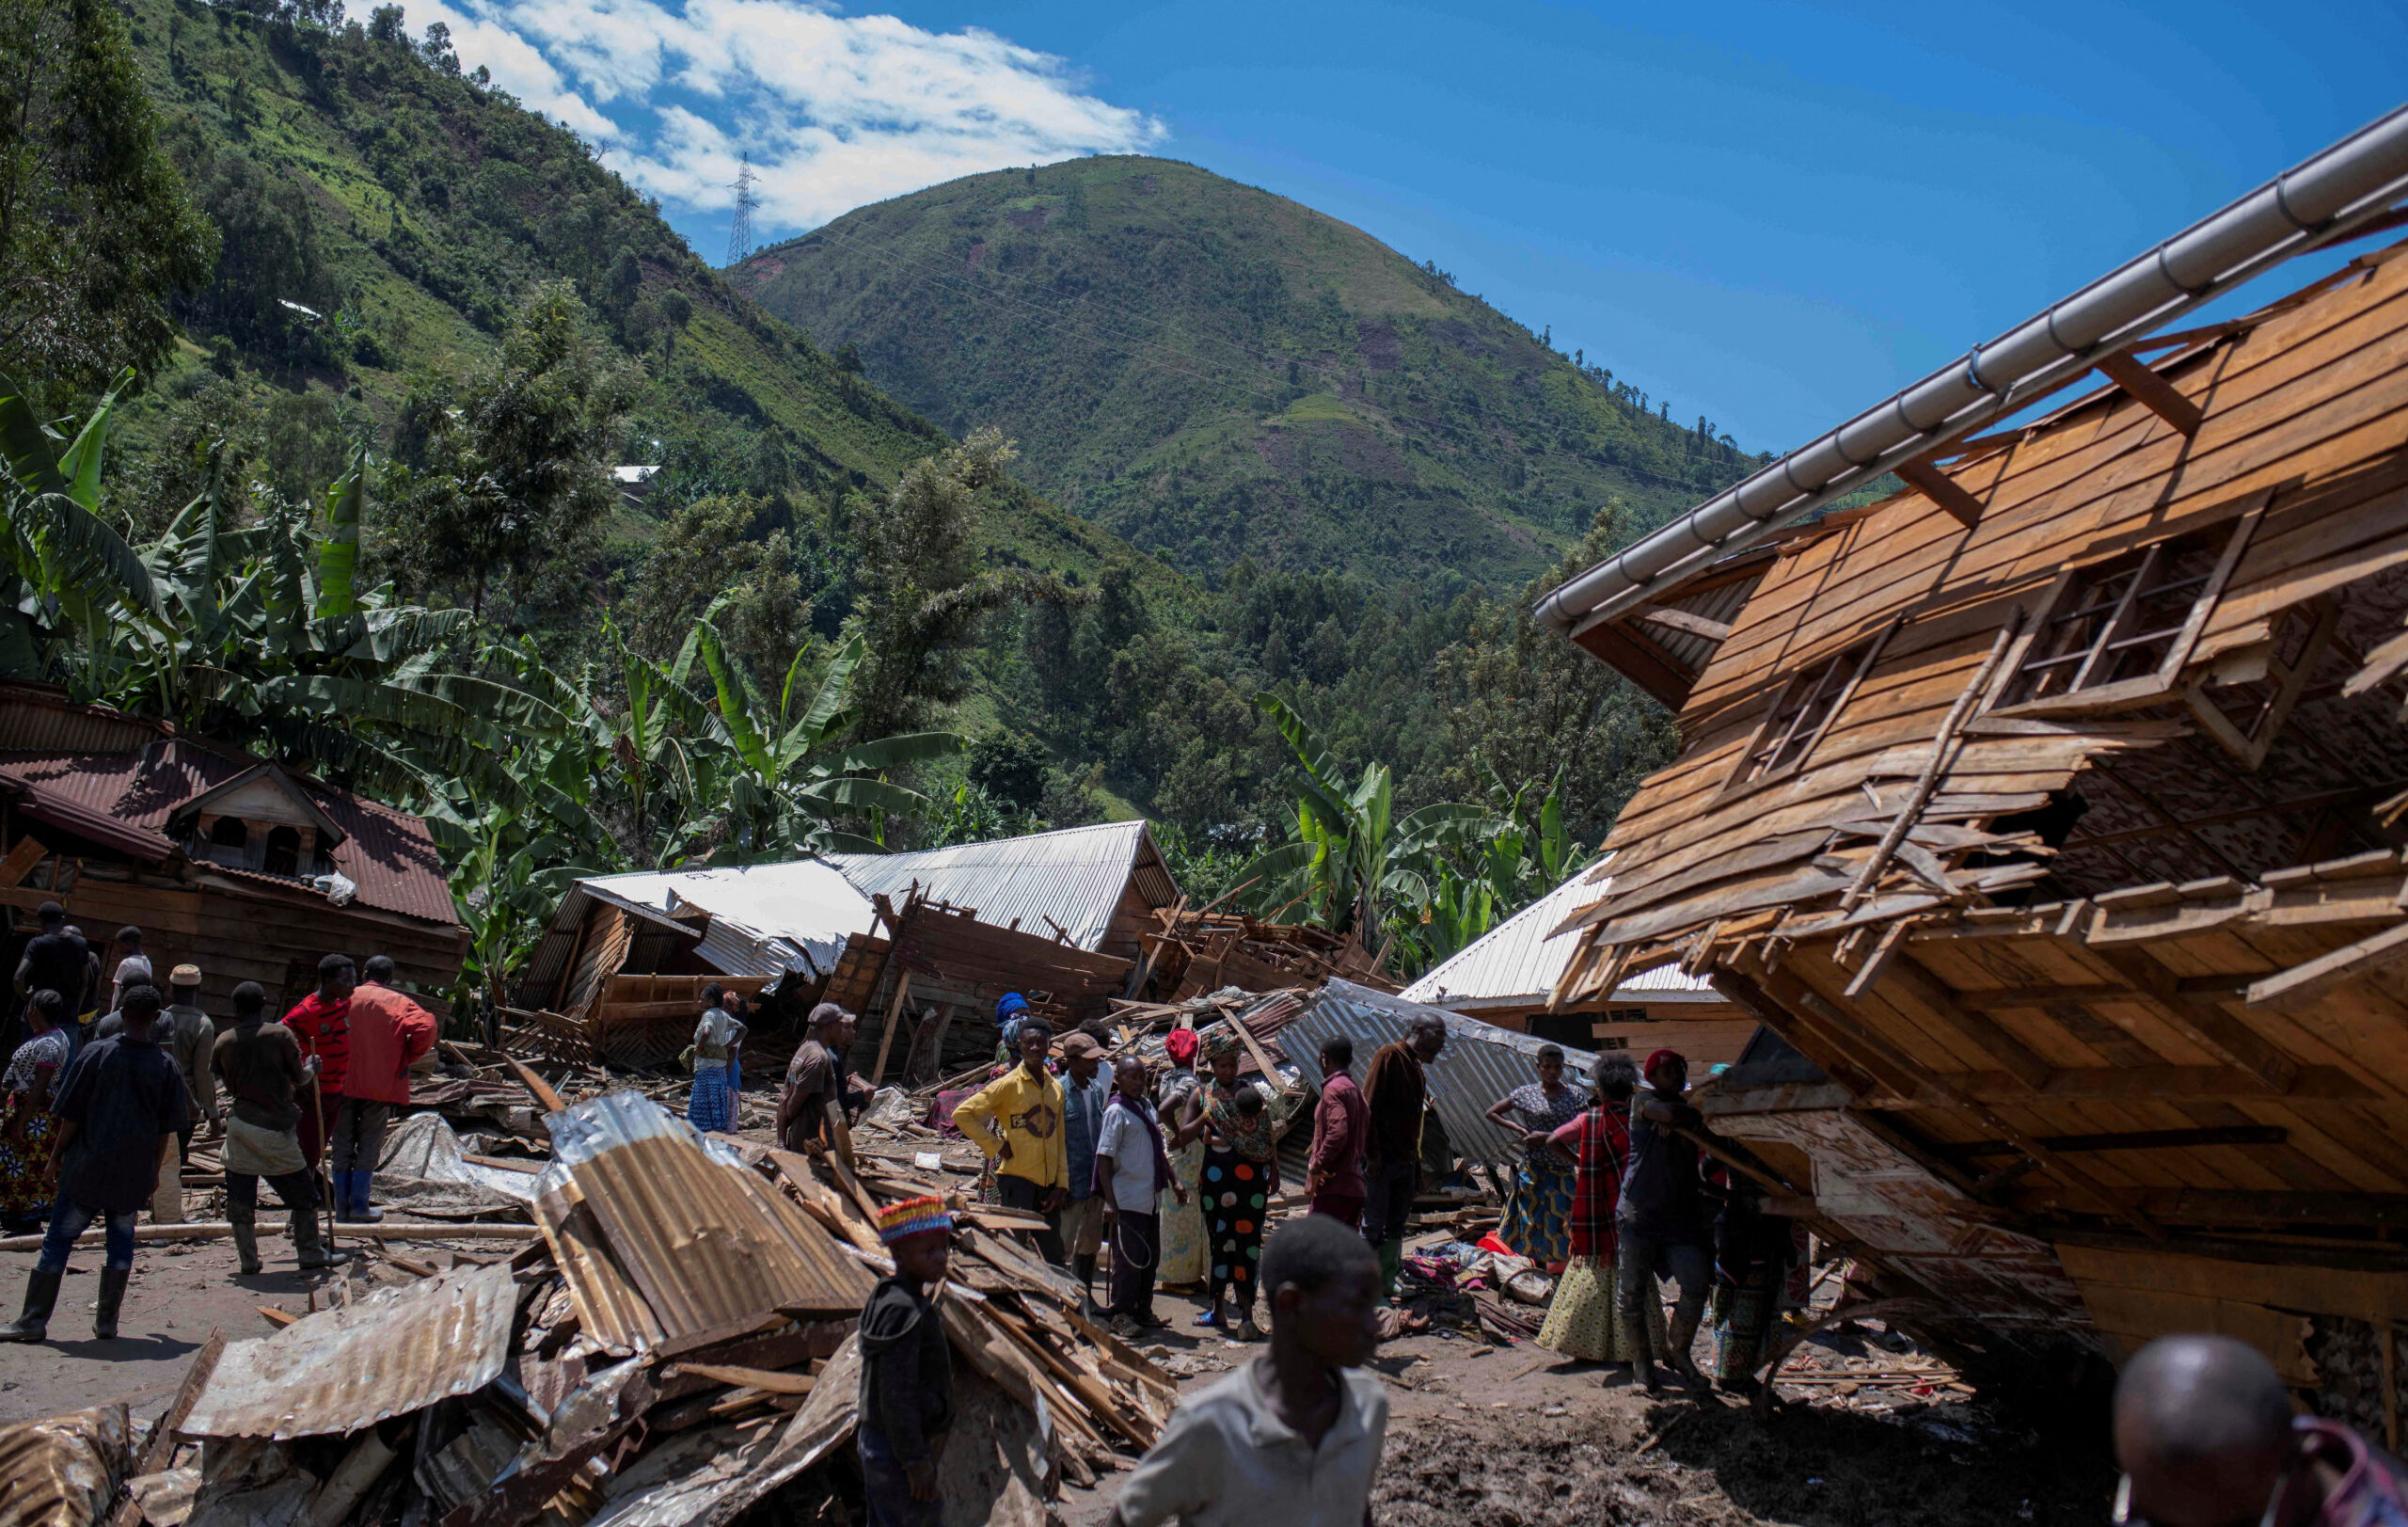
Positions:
{"x": 223, "y": 859}
{"x": 2052, "y": 810}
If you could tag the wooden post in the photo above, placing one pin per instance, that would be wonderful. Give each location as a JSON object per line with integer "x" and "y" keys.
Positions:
{"x": 886, "y": 1039}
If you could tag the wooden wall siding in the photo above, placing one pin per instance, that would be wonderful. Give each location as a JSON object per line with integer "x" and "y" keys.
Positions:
{"x": 2306, "y": 413}
{"x": 646, "y": 1019}
{"x": 239, "y": 930}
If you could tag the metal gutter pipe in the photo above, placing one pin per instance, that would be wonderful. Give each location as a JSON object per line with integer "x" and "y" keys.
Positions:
{"x": 2321, "y": 200}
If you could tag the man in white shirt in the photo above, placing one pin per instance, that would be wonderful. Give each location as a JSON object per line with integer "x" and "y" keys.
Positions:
{"x": 1131, "y": 1170}
{"x": 1293, "y": 1438}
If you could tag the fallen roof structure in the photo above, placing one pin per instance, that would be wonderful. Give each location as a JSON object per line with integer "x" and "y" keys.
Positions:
{"x": 2053, "y": 809}
{"x": 618, "y": 975}
{"x": 1507, "y": 977}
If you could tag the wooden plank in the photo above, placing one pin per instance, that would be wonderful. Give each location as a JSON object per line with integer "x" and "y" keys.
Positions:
{"x": 1929, "y": 992}
{"x": 756, "y": 1379}
{"x": 28, "y": 852}
{"x": 2316, "y": 977}
{"x": 1941, "y": 489}
{"x": 2203, "y": 1024}
{"x": 2141, "y": 1140}
{"x": 1682, "y": 620}
{"x": 2153, "y": 391}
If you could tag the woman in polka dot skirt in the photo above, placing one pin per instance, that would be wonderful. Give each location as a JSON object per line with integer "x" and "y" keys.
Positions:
{"x": 1240, "y": 1175}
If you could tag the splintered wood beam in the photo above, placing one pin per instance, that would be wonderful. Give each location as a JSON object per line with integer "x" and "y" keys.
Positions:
{"x": 1929, "y": 992}
{"x": 1681, "y": 620}
{"x": 2154, "y": 392}
{"x": 2326, "y": 971}
{"x": 2204, "y": 1024}
{"x": 1630, "y": 653}
{"x": 2190, "y": 988}
{"x": 1941, "y": 489}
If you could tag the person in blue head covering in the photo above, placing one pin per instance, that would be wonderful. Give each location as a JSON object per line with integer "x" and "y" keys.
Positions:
{"x": 1009, "y": 1010}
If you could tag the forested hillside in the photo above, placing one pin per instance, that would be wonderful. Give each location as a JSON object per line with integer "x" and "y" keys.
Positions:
{"x": 446, "y": 468}
{"x": 1212, "y": 370}
{"x": 383, "y": 220}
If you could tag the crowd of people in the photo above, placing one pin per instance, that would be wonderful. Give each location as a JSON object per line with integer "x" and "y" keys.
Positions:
{"x": 109, "y": 1080}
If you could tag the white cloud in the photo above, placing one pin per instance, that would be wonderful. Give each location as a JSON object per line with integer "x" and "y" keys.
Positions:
{"x": 834, "y": 110}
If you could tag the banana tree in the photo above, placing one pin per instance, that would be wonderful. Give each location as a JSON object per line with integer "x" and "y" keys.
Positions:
{"x": 1351, "y": 857}
{"x": 778, "y": 776}
{"x": 63, "y": 569}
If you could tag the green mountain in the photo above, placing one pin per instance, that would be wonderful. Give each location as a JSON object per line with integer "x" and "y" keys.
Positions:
{"x": 384, "y": 214}
{"x": 1211, "y": 371}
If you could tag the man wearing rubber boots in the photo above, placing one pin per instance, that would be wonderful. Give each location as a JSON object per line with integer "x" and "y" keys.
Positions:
{"x": 118, "y": 1104}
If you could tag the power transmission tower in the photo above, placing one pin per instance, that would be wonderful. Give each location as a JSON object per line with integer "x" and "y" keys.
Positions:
{"x": 740, "y": 236}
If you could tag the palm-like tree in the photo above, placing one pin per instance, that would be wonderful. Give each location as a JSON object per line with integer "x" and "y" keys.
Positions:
{"x": 1352, "y": 857}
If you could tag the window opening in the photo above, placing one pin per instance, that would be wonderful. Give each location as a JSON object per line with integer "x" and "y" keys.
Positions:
{"x": 283, "y": 852}
{"x": 2118, "y": 631}
{"x": 1802, "y": 712}
{"x": 229, "y": 833}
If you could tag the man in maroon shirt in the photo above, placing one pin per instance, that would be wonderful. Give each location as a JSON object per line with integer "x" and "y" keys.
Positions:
{"x": 1334, "y": 1171}
{"x": 321, "y": 1021}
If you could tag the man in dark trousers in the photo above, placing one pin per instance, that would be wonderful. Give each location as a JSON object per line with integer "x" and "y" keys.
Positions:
{"x": 261, "y": 1064}
{"x": 1663, "y": 1220}
{"x": 1334, "y": 1170}
{"x": 119, "y": 1103}
{"x": 1395, "y": 1094}
{"x": 906, "y": 1399}
{"x": 321, "y": 1024}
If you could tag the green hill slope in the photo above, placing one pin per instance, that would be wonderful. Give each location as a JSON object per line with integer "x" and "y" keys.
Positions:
{"x": 1211, "y": 371}
{"x": 385, "y": 215}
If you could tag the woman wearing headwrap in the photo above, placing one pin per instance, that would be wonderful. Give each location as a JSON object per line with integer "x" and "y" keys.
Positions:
{"x": 1240, "y": 1173}
{"x": 1183, "y": 1222}
{"x": 1540, "y": 1197}
{"x": 711, "y": 1105}
{"x": 1582, "y": 1321}
{"x": 1009, "y": 1010}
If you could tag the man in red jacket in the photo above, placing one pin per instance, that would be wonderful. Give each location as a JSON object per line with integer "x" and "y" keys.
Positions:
{"x": 388, "y": 1032}
{"x": 321, "y": 1024}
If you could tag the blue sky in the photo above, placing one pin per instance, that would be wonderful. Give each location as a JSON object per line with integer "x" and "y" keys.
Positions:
{"x": 1770, "y": 215}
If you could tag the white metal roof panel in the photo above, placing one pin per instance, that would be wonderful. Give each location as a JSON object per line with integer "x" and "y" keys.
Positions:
{"x": 1519, "y": 961}
{"x": 765, "y": 918}
{"x": 1074, "y": 877}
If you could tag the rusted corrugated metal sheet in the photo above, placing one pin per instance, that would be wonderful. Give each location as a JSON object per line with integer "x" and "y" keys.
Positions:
{"x": 1480, "y": 1063}
{"x": 706, "y": 1244}
{"x": 61, "y": 1470}
{"x": 391, "y": 1353}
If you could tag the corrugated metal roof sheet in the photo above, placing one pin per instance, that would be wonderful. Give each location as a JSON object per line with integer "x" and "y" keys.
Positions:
{"x": 125, "y": 800}
{"x": 397, "y": 1350}
{"x": 766, "y": 919}
{"x": 1518, "y": 961}
{"x": 1479, "y": 1064}
{"x": 704, "y": 1241}
{"x": 63, "y": 1470}
{"x": 1074, "y": 876}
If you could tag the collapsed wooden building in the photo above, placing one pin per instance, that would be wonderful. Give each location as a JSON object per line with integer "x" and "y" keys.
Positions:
{"x": 913, "y": 942}
{"x": 223, "y": 859}
{"x": 2051, "y": 811}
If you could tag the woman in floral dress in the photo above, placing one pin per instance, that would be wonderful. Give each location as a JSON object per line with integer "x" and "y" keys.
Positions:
{"x": 1539, "y": 1204}
{"x": 26, "y": 1124}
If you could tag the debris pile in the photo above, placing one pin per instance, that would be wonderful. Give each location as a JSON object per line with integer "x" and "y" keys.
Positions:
{"x": 676, "y": 1347}
{"x": 1188, "y": 954}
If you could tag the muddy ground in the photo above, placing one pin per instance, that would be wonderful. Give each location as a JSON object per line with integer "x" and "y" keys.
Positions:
{"x": 1482, "y": 1433}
